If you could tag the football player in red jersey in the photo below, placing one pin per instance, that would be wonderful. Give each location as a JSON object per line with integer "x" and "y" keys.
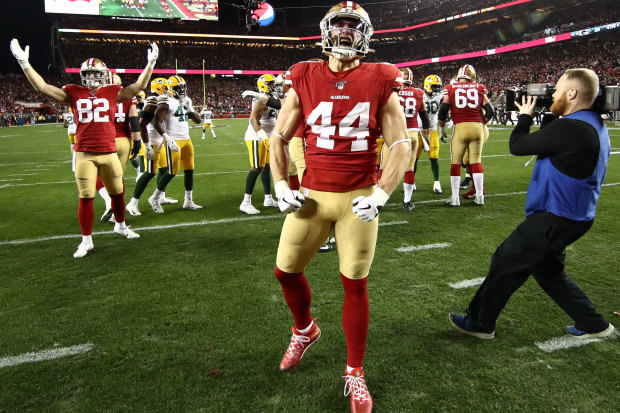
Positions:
{"x": 94, "y": 105}
{"x": 466, "y": 99}
{"x": 412, "y": 102}
{"x": 345, "y": 105}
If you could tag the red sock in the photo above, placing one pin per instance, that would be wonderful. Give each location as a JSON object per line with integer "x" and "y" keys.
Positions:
{"x": 380, "y": 172}
{"x": 118, "y": 207}
{"x": 297, "y": 295}
{"x": 86, "y": 215}
{"x": 294, "y": 182}
{"x": 355, "y": 316}
{"x": 468, "y": 168}
{"x": 455, "y": 169}
{"x": 475, "y": 168}
{"x": 410, "y": 177}
{"x": 99, "y": 183}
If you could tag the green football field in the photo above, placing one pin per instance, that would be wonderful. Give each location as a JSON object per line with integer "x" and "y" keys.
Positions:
{"x": 190, "y": 318}
{"x": 152, "y": 8}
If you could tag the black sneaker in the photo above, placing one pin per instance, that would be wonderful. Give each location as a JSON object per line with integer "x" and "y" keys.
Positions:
{"x": 408, "y": 206}
{"x": 325, "y": 247}
{"x": 465, "y": 183}
{"x": 461, "y": 323}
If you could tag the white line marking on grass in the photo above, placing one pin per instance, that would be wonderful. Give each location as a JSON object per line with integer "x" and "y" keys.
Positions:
{"x": 11, "y": 180}
{"x": 385, "y": 224}
{"x": 410, "y": 248}
{"x": 21, "y": 174}
{"x": 155, "y": 227}
{"x": 562, "y": 343}
{"x": 5, "y": 186}
{"x": 44, "y": 355}
{"x": 466, "y": 283}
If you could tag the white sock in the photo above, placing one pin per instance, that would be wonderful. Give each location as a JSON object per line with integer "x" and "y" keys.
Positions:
{"x": 479, "y": 183}
{"x": 188, "y": 195}
{"x": 157, "y": 193}
{"x": 247, "y": 198}
{"x": 305, "y": 330}
{"x": 106, "y": 198}
{"x": 268, "y": 197}
{"x": 455, "y": 183}
{"x": 120, "y": 225}
{"x": 213, "y": 133}
{"x": 408, "y": 188}
{"x": 134, "y": 201}
{"x": 87, "y": 239}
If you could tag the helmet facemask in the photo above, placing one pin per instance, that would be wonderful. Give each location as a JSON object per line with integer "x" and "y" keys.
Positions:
{"x": 345, "y": 35}
{"x": 179, "y": 91}
{"x": 93, "y": 73}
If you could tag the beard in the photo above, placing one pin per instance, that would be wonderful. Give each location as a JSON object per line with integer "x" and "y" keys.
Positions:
{"x": 559, "y": 106}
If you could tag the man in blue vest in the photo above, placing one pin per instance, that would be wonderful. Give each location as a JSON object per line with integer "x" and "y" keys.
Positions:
{"x": 561, "y": 205}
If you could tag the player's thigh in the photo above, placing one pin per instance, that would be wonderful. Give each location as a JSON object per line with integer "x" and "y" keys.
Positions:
{"x": 416, "y": 146}
{"x": 433, "y": 153}
{"x": 123, "y": 147}
{"x": 475, "y": 139}
{"x": 85, "y": 174}
{"x": 459, "y": 143}
{"x": 257, "y": 153}
{"x": 187, "y": 154}
{"x": 111, "y": 172}
{"x": 174, "y": 160}
{"x": 302, "y": 234}
{"x": 296, "y": 150}
{"x": 356, "y": 239}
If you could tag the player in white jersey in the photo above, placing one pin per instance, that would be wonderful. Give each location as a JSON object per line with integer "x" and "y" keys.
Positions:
{"x": 156, "y": 162}
{"x": 171, "y": 116}
{"x": 432, "y": 100}
{"x": 262, "y": 121}
{"x": 68, "y": 121}
{"x": 207, "y": 121}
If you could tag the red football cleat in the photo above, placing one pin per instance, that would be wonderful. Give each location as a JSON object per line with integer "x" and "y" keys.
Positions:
{"x": 299, "y": 345}
{"x": 471, "y": 194}
{"x": 355, "y": 387}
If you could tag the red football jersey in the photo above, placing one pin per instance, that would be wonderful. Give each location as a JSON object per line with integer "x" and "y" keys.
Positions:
{"x": 411, "y": 100}
{"x": 466, "y": 100}
{"x": 340, "y": 111}
{"x": 94, "y": 116}
{"x": 121, "y": 119}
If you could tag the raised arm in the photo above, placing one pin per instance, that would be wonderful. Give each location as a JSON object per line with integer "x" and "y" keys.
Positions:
{"x": 39, "y": 84}
{"x": 143, "y": 80}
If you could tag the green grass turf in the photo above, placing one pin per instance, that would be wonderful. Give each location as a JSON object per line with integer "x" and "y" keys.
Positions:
{"x": 191, "y": 319}
{"x": 152, "y": 8}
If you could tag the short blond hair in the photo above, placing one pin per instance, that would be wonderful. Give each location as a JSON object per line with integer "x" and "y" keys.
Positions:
{"x": 588, "y": 82}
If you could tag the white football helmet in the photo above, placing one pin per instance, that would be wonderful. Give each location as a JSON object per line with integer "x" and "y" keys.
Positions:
{"x": 93, "y": 73}
{"x": 346, "y": 31}
{"x": 407, "y": 76}
{"x": 467, "y": 72}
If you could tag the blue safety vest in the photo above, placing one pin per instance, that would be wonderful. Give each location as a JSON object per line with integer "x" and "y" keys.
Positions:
{"x": 552, "y": 191}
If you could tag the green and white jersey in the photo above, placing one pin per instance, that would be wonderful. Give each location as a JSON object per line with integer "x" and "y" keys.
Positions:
{"x": 267, "y": 119}
{"x": 206, "y": 115}
{"x": 432, "y": 108}
{"x": 71, "y": 126}
{"x": 176, "y": 118}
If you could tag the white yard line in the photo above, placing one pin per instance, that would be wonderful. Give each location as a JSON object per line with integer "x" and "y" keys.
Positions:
{"x": 467, "y": 283}
{"x": 562, "y": 343}
{"x": 385, "y": 224}
{"x": 411, "y": 248}
{"x": 44, "y": 355}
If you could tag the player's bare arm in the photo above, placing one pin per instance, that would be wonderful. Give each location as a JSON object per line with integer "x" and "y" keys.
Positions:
{"x": 394, "y": 127}
{"x": 257, "y": 108}
{"x": 143, "y": 80}
{"x": 288, "y": 119}
{"x": 148, "y": 114}
{"x": 35, "y": 79}
{"x": 160, "y": 114}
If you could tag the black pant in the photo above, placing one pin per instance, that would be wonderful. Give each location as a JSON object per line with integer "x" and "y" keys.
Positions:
{"x": 536, "y": 247}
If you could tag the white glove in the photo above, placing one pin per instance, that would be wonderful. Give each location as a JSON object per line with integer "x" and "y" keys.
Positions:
{"x": 20, "y": 55}
{"x": 425, "y": 143}
{"x": 252, "y": 94}
{"x": 152, "y": 55}
{"x": 288, "y": 200}
{"x": 186, "y": 102}
{"x": 368, "y": 207}
{"x": 171, "y": 143}
{"x": 150, "y": 153}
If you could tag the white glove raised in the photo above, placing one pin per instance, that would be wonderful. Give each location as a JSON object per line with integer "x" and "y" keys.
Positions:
{"x": 186, "y": 102}
{"x": 151, "y": 55}
{"x": 288, "y": 200}
{"x": 252, "y": 94}
{"x": 368, "y": 207}
{"x": 150, "y": 153}
{"x": 21, "y": 55}
{"x": 171, "y": 143}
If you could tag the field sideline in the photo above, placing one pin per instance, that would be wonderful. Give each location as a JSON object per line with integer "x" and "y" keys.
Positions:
{"x": 190, "y": 317}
